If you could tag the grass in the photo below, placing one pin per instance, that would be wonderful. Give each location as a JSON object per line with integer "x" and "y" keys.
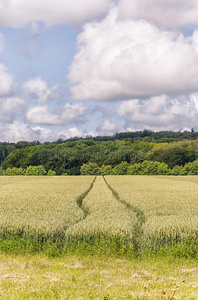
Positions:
{"x": 93, "y": 277}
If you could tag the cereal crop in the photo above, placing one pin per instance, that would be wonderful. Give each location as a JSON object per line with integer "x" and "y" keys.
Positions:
{"x": 169, "y": 204}
{"x": 133, "y": 212}
{"x": 104, "y": 214}
{"x": 40, "y": 204}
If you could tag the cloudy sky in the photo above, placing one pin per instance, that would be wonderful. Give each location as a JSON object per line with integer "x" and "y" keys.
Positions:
{"x": 95, "y": 67}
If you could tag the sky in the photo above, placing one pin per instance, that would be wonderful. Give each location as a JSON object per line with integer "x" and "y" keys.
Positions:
{"x": 96, "y": 67}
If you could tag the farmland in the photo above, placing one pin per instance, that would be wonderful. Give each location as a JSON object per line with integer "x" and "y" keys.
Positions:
{"x": 169, "y": 206}
{"x": 87, "y": 237}
{"x": 126, "y": 215}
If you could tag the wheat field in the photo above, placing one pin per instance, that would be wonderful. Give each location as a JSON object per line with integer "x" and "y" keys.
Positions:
{"x": 169, "y": 204}
{"x": 142, "y": 211}
{"x": 40, "y": 204}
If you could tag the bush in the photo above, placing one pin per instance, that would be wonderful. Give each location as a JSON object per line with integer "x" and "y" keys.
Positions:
{"x": 35, "y": 171}
{"x": 13, "y": 171}
{"x": 51, "y": 173}
{"x": 120, "y": 169}
{"x": 149, "y": 168}
{"x": 105, "y": 170}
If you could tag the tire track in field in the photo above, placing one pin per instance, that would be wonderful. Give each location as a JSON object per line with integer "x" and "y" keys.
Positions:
{"x": 80, "y": 199}
{"x": 141, "y": 219}
{"x": 103, "y": 215}
{"x": 79, "y": 202}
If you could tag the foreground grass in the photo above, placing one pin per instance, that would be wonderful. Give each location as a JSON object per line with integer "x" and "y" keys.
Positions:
{"x": 93, "y": 277}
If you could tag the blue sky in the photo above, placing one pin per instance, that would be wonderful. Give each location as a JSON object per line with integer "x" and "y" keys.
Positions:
{"x": 96, "y": 67}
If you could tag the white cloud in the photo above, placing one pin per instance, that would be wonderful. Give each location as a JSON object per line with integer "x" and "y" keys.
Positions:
{"x": 72, "y": 112}
{"x": 10, "y": 108}
{"x": 123, "y": 60}
{"x": 6, "y": 81}
{"x": 38, "y": 88}
{"x": 40, "y": 115}
{"x": 107, "y": 127}
{"x": 71, "y": 132}
{"x": 75, "y": 132}
{"x": 11, "y": 104}
{"x": 159, "y": 113}
{"x": 69, "y": 113}
{"x": 42, "y": 134}
{"x": 20, "y": 12}
{"x": 166, "y": 13}
{"x": 17, "y": 131}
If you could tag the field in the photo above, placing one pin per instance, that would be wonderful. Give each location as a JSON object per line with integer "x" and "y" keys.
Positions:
{"x": 169, "y": 205}
{"x": 87, "y": 237}
{"x": 126, "y": 215}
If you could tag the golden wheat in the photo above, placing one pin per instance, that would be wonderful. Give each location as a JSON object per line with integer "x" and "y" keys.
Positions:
{"x": 104, "y": 214}
{"x": 170, "y": 204}
{"x": 44, "y": 204}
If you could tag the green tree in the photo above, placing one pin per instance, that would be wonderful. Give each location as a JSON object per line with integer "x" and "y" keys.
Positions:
{"x": 17, "y": 158}
{"x": 90, "y": 169}
{"x": 134, "y": 169}
{"x": 105, "y": 170}
{"x": 120, "y": 169}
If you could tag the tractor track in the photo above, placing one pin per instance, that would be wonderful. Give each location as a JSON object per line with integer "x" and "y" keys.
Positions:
{"x": 141, "y": 219}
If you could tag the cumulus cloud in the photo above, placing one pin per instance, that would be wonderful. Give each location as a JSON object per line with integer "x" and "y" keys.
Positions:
{"x": 107, "y": 127}
{"x": 72, "y": 112}
{"x": 159, "y": 113}
{"x": 123, "y": 60}
{"x": 6, "y": 81}
{"x": 11, "y": 105}
{"x": 38, "y": 88}
{"x": 69, "y": 113}
{"x": 17, "y": 131}
{"x": 40, "y": 115}
{"x": 165, "y": 13}
{"x": 75, "y": 132}
{"x": 19, "y": 13}
{"x": 10, "y": 108}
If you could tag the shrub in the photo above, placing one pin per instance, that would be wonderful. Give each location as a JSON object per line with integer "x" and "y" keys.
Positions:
{"x": 105, "y": 170}
{"x": 14, "y": 171}
{"x": 120, "y": 169}
{"x": 51, "y": 173}
{"x": 35, "y": 171}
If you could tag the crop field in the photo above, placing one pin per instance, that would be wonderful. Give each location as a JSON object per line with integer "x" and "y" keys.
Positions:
{"x": 130, "y": 214}
{"x": 169, "y": 205}
{"x": 40, "y": 206}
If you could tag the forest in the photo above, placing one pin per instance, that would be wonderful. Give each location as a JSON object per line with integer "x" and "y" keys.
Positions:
{"x": 133, "y": 153}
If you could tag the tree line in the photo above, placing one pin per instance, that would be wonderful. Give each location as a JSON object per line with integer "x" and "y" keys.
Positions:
{"x": 131, "y": 155}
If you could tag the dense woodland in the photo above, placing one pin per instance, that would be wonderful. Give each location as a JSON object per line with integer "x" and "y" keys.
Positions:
{"x": 142, "y": 152}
